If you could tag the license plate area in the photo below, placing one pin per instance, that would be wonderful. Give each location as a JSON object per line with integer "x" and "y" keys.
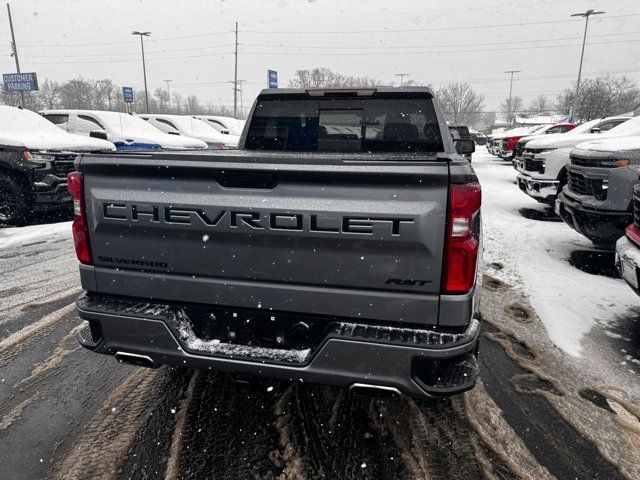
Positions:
{"x": 257, "y": 328}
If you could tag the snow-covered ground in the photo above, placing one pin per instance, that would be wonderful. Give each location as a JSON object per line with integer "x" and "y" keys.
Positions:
{"x": 535, "y": 254}
{"x": 20, "y": 235}
{"x": 37, "y": 263}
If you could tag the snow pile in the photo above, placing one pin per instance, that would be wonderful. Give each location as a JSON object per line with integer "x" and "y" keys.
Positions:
{"x": 35, "y": 233}
{"x": 535, "y": 257}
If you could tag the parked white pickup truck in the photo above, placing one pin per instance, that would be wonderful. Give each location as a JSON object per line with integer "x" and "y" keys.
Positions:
{"x": 542, "y": 166}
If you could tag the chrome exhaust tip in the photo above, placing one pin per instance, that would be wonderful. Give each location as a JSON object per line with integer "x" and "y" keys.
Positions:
{"x": 367, "y": 390}
{"x": 135, "y": 359}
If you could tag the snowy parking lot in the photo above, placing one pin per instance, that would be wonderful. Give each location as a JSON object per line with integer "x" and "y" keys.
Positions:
{"x": 558, "y": 397}
{"x": 572, "y": 286}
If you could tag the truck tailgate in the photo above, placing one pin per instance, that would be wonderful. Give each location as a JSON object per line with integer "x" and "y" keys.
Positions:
{"x": 341, "y": 238}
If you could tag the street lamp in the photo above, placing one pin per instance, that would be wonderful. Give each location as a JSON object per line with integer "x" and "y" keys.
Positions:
{"x": 402, "y": 75}
{"x": 144, "y": 67}
{"x": 586, "y": 15}
{"x": 511, "y": 89}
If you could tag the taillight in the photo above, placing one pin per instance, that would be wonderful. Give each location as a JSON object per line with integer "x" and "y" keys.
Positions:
{"x": 75, "y": 184}
{"x": 463, "y": 238}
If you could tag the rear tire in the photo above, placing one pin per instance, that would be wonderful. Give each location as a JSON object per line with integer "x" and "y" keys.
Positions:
{"x": 14, "y": 204}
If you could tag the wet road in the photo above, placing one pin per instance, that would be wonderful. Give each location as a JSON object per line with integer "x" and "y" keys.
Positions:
{"x": 67, "y": 413}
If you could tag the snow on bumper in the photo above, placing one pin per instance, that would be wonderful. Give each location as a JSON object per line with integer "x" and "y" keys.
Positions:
{"x": 419, "y": 362}
{"x": 628, "y": 262}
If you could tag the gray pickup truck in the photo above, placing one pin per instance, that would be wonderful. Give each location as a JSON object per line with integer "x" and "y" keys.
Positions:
{"x": 339, "y": 245}
{"x": 597, "y": 200}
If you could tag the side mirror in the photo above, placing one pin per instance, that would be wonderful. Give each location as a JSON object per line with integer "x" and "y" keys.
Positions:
{"x": 98, "y": 134}
{"x": 596, "y": 130}
{"x": 464, "y": 145}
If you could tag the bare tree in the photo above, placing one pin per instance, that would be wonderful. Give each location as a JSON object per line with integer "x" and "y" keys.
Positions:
{"x": 541, "y": 105}
{"x": 600, "y": 97}
{"x": 77, "y": 93}
{"x": 49, "y": 94}
{"x": 511, "y": 107}
{"x": 192, "y": 105}
{"x": 104, "y": 94}
{"x": 162, "y": 99}
{"x": 324, "y": 77}
{"x": 178, "y": 101}
{"x": 461, "y": 105}
{"x": 222, "y": 111}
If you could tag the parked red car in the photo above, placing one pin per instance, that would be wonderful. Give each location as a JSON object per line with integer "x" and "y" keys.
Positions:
{"x": 508, "y": 148}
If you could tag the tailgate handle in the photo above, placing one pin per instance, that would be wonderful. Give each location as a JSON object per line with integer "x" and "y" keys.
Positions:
{"x": 247, "y": 180}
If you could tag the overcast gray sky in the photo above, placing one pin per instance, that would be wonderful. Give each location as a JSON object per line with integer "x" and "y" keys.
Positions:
{"x": 435, "y": 42}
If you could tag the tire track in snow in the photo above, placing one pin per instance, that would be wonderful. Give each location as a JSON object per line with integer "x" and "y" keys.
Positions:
{"x": 14, "y": 344}
{"x": 15, "y": 413}
{"x": 509, "y": 453}
{"x": 226, "y": 431}
{"x": 67, "y": 346}
{"x": 103, "y": 445}
{"x": 178, "y": 436}
{"x": 48, "y": 299}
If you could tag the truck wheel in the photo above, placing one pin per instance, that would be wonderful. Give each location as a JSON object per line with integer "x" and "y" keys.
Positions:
{"x": 14, "y": 205}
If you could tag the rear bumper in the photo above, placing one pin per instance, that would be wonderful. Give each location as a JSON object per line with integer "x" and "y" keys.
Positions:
{"x": 544, "y": 191}
{"x": 601, "y": 227}
{"x": 628, "y": 262}
{"x": 414, "y": 361}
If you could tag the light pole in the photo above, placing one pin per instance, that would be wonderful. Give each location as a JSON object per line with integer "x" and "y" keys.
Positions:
{"x": 511, "y": 90}
{"x": 402, "y": 75}
{"x": 586, "y": 15}
{"x": 168, "y": 93}
{"x": 144, "y": 67}
{"x": 235, "y": 78}
{"x": 14, "y": 51}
